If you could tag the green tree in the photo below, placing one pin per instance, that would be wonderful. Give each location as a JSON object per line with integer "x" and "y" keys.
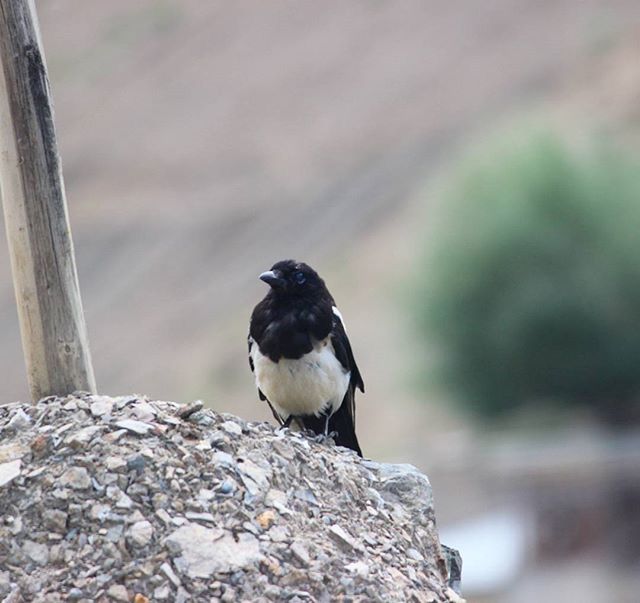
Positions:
{"x": 531, "y": 289}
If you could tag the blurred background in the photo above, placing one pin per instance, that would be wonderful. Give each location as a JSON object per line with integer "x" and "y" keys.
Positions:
{"x": 463, "y": 175}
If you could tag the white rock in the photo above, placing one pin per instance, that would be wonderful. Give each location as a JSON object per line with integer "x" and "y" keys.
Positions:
{"x": 20, "y": 420}
{"x": 231, "y": 427}
{"x": 102, "y": 406}
{"x": 140, "y": 533}
{"x": 341, "y": 537}
{"x": 118, "y": 592}
{"x": 139, "y": 427}
{"x": 9, "y": 471}
{"x": 206, "y": 551}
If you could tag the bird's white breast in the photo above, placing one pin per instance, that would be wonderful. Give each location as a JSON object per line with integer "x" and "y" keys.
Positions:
{"x": 304, "y": 386}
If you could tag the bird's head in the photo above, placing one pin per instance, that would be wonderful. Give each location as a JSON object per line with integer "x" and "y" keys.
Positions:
{"x": 289, "y": 278}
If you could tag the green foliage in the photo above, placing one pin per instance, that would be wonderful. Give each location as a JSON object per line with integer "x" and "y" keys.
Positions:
{"x": 532, "y": 287}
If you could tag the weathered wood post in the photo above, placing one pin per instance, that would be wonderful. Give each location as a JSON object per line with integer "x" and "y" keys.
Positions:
{"x": 54, "y": 335}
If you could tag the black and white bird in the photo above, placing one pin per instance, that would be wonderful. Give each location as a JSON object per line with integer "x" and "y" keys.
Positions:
{"x": 301, "y": 357}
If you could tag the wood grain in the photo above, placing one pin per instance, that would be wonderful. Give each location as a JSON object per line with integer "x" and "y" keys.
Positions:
{"x": 52, "y": 325}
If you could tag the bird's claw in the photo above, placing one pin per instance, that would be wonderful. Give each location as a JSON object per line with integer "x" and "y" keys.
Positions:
{"x": 324, "y": 439}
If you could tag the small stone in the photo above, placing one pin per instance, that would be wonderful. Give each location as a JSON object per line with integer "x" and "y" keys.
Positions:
{"x": 299, "y": 551}
{"x": 206, "y": 551}
{"x": 124, "y": 502}
{"x": 102, "y": 406}
{"x": 38, "y": 553}
{"x": 118, "y": 592}
{"x": 99, "y": 512}
{"x": 75, "y": 594}
{"x": 226, "y": 487}
{"x": 140, "y": 534}
{"x": 143, "y": 411}
{"x": 266, "y": 519}
{"x": 169, "y": 573}
{"x": 139, "y": 427}
{"x": 41, "y": 445}
{"x": 55, "y": 520}
{"x": 9, "y": 471}
{"x": 19, "y": 421}
{"x": 414, "y": 554}
{"x": 115, "y": 463}
{"x": 76, "y": 478}
{"x": 358, "y": 567}
{"x": 341, "y": 537}
{"x": 206, "y": 517}
{"x": 83, "y": 436}
{"x": 140, "y": 598}
{"x": 186, "y": 411}
{"x": 232, "y": 428}
{"x": 161, "y": 593}
{"x": 136, "y": 463}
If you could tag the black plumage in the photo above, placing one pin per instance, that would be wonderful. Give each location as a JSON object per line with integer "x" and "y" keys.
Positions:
{"x": 301, "y": 356}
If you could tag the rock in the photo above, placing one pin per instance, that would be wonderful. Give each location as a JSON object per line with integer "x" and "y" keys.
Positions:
{"x": 55, "y": 520}
{"x": 169, "y": 573}
{"x": 19, "y": 421}
{"x": 139, "y": 427}
{"x": 266, "y": 519}
{"x": 231, "y": 427}
{"x": 140, "y": 534}
{"x": 186, "y": 411}
{"x": 405, "y": 484}
{"x": 299, "y": 551}
{"x": 341, "y": 537}
{"x": 206, "y": 551}
{"x": 9, "y": 471}
{"x": 83, "y": 436}
{"x": 161, "y": 593}
{"x": 118, "y": 592}
{"x": 453, "y": 561}
{"x": 205, "y": 509}
{"x": 38, "y": 553}
{"x": 76, "y": 477}
{"x": 102, "y": 406}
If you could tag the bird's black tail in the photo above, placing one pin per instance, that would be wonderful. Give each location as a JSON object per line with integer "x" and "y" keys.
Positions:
{"x": 342, "y": 423}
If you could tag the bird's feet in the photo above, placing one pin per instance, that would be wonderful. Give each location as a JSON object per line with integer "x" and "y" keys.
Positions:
{"x": 325, "y": 439}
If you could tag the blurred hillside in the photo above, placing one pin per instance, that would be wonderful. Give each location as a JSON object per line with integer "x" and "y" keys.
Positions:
{"x": 203, "y": 141}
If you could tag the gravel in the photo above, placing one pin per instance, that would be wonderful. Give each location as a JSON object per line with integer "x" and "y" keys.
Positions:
{"x": 128, "y": 499}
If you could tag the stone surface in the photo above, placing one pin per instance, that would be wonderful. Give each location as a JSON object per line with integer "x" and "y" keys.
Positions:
{"x": 207, "y": 551}
{"x": 127, "y": 499}
{"x": 9, "y": 471}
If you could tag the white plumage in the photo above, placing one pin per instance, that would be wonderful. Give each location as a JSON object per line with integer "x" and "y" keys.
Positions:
{"x": 309, "y": 385}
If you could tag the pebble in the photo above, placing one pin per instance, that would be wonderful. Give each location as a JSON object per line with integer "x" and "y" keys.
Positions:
{"x": 139, "y": 427}
{"x": 77, "y": 478}
{"x": 19, "y": 421}
{"x": 9, "y": 471}
{"x": 103, "y": 406}
{"x": 38, "y": 553}
{"x": 118, "y": 592}
{"x": 140, "y": 533}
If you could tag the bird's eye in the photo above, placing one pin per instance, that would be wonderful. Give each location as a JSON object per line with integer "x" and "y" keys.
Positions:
{"x": 300, "y": 278}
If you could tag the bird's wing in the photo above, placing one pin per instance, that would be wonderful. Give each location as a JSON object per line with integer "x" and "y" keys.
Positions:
{"x": 343, "y": 350}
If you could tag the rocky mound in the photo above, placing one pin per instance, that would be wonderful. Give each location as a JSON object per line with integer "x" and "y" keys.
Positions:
{"x": 126, "y": 499}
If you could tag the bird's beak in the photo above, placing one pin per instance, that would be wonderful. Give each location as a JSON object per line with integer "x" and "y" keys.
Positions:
{"x": 272, "y": 279}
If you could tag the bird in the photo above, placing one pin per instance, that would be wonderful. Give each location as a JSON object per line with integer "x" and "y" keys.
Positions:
{"x": 301, "y": 357}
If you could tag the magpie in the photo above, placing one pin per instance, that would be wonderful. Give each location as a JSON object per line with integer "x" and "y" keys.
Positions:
{"x": 301, "y": 357}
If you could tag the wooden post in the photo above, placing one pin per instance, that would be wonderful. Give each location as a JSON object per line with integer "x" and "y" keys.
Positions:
{"x": 54, "y": 335}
